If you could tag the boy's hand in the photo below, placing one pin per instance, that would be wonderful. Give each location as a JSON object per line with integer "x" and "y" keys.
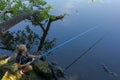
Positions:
{"x": 28, "y": 63}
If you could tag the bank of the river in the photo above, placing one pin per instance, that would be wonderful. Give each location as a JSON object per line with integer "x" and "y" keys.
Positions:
{"x": 41, "y": 70}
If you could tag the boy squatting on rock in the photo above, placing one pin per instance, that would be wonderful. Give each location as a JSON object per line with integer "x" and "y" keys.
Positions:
{"x": 23, "y": 59}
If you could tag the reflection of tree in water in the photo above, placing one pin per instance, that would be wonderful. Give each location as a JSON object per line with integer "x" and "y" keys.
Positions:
{"x": 28, "y": 37}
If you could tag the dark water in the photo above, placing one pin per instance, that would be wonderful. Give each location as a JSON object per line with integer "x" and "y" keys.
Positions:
{"x": 81, "y": 16}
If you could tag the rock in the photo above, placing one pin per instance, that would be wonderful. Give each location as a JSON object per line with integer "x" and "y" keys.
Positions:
{"x": 42, "y": 68}
{"x": 57, "y": 70}
{"x": 48, "y": 70}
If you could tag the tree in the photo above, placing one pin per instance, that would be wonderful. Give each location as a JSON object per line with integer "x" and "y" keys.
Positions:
{"x": 28, "y": 37}
{"x": 35, "y": 11}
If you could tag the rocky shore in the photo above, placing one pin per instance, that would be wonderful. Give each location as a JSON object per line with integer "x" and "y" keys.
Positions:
{"x": 42, "y": 70}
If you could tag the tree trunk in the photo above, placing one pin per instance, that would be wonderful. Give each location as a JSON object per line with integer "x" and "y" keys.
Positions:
{"x": 45, "y": 32}
{"x": 8, "y": 24}
{"x": 44, "y": 36}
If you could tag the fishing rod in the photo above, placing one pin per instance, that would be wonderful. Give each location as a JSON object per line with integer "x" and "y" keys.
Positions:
{"x": 53, "y": 49}
{"x": 85, "y": 52}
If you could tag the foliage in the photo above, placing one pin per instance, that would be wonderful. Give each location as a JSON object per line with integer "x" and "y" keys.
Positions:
{"x": 26, "y": 36}
{"x": 8, "y": 76}
{"x": 38, "y": 12}
{"x": 4, "y": 3}
{"x": 11, "y": 39}
{"x": 51, "y": 44}
{"x": 2, "y": 62}
{"x": 25, "y": 6}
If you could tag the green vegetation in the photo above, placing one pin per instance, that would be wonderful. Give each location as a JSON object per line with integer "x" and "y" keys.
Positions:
{"x": 17, "y": 7}
{"x": 35, "y": 11}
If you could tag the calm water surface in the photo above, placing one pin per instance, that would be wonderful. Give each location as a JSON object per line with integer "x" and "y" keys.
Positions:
{"x": 82, "y": 15}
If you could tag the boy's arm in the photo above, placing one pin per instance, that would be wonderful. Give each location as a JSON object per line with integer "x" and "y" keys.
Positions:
{"x": 23, "y": 65}
{"x": 32, "y": 56}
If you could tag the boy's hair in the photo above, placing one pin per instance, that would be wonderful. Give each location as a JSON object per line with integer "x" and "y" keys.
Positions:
{"x": 21, "y": 48}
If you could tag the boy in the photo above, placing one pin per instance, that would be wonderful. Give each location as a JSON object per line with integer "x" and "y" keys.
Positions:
{"x": 23, "y": 59}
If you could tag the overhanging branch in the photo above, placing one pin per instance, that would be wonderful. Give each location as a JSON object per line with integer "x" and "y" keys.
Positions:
{"x": 6, "y": 9}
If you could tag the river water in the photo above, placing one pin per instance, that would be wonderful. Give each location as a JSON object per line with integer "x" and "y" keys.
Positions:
{"x": 82, "y": 15}
{"x": 102, "y": 61}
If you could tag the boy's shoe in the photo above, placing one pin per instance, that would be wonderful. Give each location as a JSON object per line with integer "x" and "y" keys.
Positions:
{"x": 24, "y": 73}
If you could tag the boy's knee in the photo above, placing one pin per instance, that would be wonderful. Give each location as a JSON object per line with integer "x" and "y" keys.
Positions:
{"x": 30, "y": 67}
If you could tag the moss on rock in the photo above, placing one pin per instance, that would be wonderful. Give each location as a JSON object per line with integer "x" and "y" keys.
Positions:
{"x": 42, "y": 68}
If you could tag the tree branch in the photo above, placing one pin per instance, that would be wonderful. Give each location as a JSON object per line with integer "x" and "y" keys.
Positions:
{"x": 10, "y": 23}
{"x": 44, "y": 36}
{"x": 60, "y": 17}
{"x": 6, "y": 9}
{"x": 47, "y": 29}
{"x": 41, "y": 26}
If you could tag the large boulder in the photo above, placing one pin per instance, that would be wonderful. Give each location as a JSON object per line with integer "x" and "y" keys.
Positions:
{"x": 42, "y": 68}
{"x": 48, "y": 70}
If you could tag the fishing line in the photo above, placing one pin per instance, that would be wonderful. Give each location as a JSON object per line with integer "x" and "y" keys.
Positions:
{"x": 86, "y": 51}
{"x": 73, "y": 38}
